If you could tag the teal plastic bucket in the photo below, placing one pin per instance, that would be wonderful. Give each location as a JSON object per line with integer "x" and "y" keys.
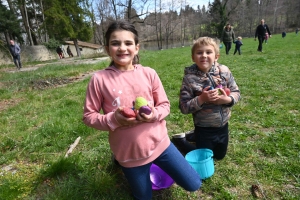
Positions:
{"x": 201, "y": 160}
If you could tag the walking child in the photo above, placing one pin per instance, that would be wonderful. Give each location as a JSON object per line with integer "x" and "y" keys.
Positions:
{"x": 266, "y": 38}
{"x": 135, "y": 142}
{"x": 204, "y": 94}
{"x": 238, "y": 44}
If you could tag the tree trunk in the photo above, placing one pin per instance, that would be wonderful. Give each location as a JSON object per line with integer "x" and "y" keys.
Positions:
{"x": 43, "y": 17}
{"x": 25, "y": 20}
{"x": 76, "y": 47}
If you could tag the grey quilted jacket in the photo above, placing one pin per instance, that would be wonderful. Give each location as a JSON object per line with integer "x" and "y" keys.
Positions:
{"x": 194, "y": 80}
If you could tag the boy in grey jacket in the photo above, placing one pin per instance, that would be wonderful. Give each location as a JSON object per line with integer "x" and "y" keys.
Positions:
{"x": 208, "y": 92}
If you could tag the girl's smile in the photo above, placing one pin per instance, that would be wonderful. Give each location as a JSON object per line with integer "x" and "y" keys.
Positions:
{"x": 122, "y": 49}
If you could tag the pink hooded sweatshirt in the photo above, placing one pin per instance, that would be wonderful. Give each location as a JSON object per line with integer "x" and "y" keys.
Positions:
{"x": 111, "y": 88}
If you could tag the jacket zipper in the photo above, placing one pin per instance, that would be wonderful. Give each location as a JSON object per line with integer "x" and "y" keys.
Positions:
{"x": 213, "y": 83}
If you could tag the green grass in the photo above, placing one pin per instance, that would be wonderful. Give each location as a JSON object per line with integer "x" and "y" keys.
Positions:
{"x": 37, "y": 125}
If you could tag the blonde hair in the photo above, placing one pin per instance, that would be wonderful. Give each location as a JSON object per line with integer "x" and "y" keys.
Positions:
{"x": 205, "y": 41}
{"x": 239, "y": 38}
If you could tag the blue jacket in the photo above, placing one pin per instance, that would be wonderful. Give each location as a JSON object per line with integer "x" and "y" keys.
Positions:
{"x": 238, "y": 44}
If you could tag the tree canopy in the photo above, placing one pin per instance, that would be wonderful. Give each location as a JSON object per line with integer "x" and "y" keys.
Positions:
{"x": 9, "y": 24}
{"x": 37, "y": 21}
{"x": 67, "y": 19}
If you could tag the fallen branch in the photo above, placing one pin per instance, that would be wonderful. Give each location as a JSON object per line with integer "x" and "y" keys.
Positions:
{"x": 72, "y": 147}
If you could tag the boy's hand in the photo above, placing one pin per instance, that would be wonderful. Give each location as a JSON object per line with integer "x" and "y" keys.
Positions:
{"x": 224, "y": 99}
{"x": 208, "y": 96}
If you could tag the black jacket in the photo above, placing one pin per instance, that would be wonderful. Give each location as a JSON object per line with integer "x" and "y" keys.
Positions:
{"x": 261, "y": 30}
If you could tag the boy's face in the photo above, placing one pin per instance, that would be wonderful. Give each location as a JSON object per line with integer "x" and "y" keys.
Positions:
{"x": 204, "y": 57}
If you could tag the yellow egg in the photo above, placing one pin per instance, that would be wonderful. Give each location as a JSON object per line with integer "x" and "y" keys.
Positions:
{"x": 139, "y": 102}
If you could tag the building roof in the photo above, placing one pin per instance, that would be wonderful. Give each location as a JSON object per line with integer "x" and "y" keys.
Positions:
{"x": 85, "y": 44}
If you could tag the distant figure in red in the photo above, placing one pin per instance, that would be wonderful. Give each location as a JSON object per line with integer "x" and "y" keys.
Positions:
{"x": 59, "y": 52}
{"x": 69, "y": 51}
{"x": 266, "y": 38}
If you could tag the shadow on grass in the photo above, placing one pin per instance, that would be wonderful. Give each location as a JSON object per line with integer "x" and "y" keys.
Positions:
{"x": 66, "y": 179}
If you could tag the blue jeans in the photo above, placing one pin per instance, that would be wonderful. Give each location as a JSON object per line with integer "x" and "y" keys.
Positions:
{"x": 173, "y": 163}
{"x": 17, "y": 58}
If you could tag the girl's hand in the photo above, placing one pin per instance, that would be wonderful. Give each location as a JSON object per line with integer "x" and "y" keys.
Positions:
{"x": 146, "y": 118}
{"x": 125, "y": 121}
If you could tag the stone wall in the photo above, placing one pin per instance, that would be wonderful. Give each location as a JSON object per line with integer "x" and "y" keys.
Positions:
{"x": 41, "y": 53}
{"x": 28, "y": 54}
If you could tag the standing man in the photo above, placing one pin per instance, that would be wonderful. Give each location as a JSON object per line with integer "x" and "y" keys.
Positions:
{"x": 69, "y": 51}
{"x": 260, "y": 34}
{"x": 15, "y": 51}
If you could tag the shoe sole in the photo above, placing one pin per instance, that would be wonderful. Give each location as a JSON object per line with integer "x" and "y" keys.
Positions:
{"x": 178, "y": 135}
{"x": 189, "y": 133}
{"x": 190, "y": 136}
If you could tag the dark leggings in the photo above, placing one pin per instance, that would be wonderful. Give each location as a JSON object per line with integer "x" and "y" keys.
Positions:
{"x": 227, "y": 47}
{"x": 261, "y": 40}
{"x": 215, "y": 139}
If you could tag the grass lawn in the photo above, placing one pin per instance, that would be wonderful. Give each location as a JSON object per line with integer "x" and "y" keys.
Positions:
{"x": 41, "y": 116}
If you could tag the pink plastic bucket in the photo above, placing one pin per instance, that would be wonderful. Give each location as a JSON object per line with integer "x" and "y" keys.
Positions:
{"x": 159, "y": 178}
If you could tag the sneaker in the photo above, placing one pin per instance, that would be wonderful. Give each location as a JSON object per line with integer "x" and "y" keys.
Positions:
{"x": 178, "y": 140}
{"x": 179, "y": 135}
{"x": 190, "y": 136}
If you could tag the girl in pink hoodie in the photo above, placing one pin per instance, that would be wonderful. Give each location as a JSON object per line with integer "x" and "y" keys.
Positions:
{"x": 139, "y": 141}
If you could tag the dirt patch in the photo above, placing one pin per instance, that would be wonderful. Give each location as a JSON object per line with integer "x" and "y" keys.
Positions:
{"x": 56, "y": 82}
{"x": 65, "y": 61}
{"x": 8, "y": 103}
{"x": 52, "y": 82}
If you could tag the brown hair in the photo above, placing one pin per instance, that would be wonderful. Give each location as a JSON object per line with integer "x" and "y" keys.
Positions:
{"x": 122, "y": 25}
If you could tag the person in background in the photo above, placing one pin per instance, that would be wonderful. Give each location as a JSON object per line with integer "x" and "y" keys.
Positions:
{"x": 297, "y": 30}
{"x": 283, "y": 34}
{"x": 59, "y": 52}
{"x": 260, "y": 33}
{"x": 238, "y": 44}
{"x": 139, "y": 141}
{"x": 208, "y": 92}
{"x": 266, "y": 38}
{"x": 15, "y": 51}
{"x": 228, "y": 37}
{"x": 69, "y": 51}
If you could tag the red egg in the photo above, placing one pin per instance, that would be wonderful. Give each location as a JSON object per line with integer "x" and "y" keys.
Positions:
{"x": 128, "y": 112}
{"x": 227, "y": 90}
